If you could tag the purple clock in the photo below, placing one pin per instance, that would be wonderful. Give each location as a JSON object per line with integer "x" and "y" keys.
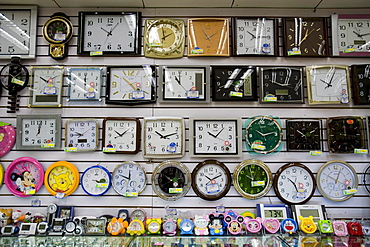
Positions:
{"x": 7, "y": 138}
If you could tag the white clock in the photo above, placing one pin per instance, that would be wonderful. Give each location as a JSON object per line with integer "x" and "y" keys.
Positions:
{"x": 96, "y": 180}
{"x": 129, "y": 179}
{"x": 81, "y": 135}
{"x": 84, "y": 83}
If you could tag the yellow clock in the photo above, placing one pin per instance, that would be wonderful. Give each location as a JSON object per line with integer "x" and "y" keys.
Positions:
{"x": 1, "y": 174}
{"x": 61, "y": 179}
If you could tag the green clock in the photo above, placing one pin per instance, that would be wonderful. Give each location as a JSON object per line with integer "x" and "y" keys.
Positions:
{"x": 252, "y": 179}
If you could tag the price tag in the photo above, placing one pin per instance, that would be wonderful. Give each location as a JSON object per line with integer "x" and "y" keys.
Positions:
{"x": 361, "y": 151}
{"x": 316, "y": 153}
{"x": 175, "y": 190}
{"x": 96, "y": 53}
{"x": 258, "y": 183}
{"x": 109, "y": 150}
{"x": 70, "y": 149}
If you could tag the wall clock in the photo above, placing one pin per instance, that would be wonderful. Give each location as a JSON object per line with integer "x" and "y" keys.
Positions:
{"x": 40, "y": 132}
{"x": 164, "y": 38}
{"x": 281, "y": 84}
{"x": 255, "y": 36}
{"x": 346, "y": 134}
{"x": 328, "y": 84}
{"x": 171, "y": 180}
{"x": 61, "y": 179}
{"x": 234, "y": 83}
{"x": 294, "y": 183}
{"x": 350, "y": 35}
{"x": 96, "y": 180}
{"x": 252, "y": 179}
{"x": 337, "y": 180}
{"x": 366, "y": 178}
{"x": 208, "y": 37}
{"x": 129, "y": 179}
{"x": 19, "y": 26}
{"x": 84, "y": 83}
{"x": 121, "y": 135}
{"x": 211, "y": 180}
{"x": 186, "y": 84}
{"x": 24, "y": 176}
{"x": 46, "y": 86}
{"x": 57, "y": 31}
{"x": 303, "y": 135}
{"x": 81, "y": 135}
{"x": 263, "y": 134}
{"x": 361, "y": 84}
{"x": 163, "y": 137}
{"x": 305, "y": 36}
{"x": 111, "y": 33}
{"x": 215, "y": 137}
{"x": 131, "y": 85}
{"x": 7, "y": 138}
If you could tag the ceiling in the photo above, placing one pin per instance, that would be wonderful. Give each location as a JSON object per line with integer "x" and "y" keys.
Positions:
{"x": 286, "y": 4}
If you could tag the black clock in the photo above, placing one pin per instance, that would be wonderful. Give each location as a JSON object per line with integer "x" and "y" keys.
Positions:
{"x": 281, "y": 84}
{"x": 361, "y": 84}
{"x": 234, "y": 83}
{"x": 345, "y": 134}
{"x": 303, "y": 135}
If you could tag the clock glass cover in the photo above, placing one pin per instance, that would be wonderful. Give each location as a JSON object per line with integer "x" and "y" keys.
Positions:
{"x": 84, "y": 83}
{"x": 361, "y": 84}
{"x": 96, "y": 180}
{"x": 129, "y": 179}
{"x": 303, "y": 135}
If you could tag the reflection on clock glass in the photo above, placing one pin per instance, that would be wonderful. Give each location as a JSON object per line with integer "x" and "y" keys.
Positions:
{"x": 170, "y": 178}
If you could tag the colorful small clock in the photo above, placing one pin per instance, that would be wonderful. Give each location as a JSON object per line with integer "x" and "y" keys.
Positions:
{"x": 7, "y": 138}
{"x": 96, "y": 180}
{"x": 24, "y": 176}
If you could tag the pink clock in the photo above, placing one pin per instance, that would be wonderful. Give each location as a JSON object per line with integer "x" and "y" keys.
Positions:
{"x": 24, "y": 176}
{"x": 253, "y": 225}
{"x": 7, "y": 138}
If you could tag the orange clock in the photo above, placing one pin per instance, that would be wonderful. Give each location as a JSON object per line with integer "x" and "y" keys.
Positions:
{"x": 61, "y": 179}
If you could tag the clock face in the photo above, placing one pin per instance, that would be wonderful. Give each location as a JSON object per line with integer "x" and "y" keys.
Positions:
{"x": 39, "y": 132}
{"x": 211, "y": 180}
{"x": 96, "y": 180}
{"x": 163, "y": 137}
{"x": 294, "y": 183}
{"x": 305, "y": 36}
{"x": 215, "y": 137}
{"x": 81, "y": 135}
{"x": 61, "y": 177}
{"x": 345, "y": 134}
{"x": 255, "y": 36}
{"x": 208, "y": 37}
{"x": 350, "y": 35}
{"x": 84, "y": 83}
{"x": 303, "y": 135}
{"x": 361, "y": 84}
{"x": 234, "y": 83}
{"x": 252, "y": 179}
{"x": 110, "y": 32}
{"x": 282, "y": 84}
{"x": 327, "y": 84}
{"x": 18, "y": 25}
{"x": 121, "y": 134}
{"x": 337, "y": 180}
{"x": 131, "y": 85}
{"x": 164, "y": 38}
{"x": 129, "y": 179}
{"x": 171, "y": 180}
{"x": 46, "y": 88}
{"x": 7, "y": 138}
{"x": 24, "y": 176}
{"x": 263, "y": 134}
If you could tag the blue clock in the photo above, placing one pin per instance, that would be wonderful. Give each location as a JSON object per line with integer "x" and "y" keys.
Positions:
{"x": 96, "y": 180}
{"x": 186, "y": 227}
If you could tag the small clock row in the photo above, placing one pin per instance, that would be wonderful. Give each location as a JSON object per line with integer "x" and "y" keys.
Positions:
{"x": 294, "y": 183}
{"x": 119, "y": 33}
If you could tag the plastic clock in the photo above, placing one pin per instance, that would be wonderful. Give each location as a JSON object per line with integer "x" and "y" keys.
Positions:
{"x": 24, "y": 176}
{"x": 7, "y": 138}
{"x": 96, "y": 180}
{"x": 61, "y": 179}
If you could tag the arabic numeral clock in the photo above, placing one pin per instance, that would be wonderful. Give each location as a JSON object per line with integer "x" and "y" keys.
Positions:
{"x": 129, "y": 179}
{"x": 163, "y": 137}
{"x": 24, "y": 176}
{"x": 255, "y": 36}
{"x": 303, "y": 135}
{"x": 281, "y": 84}
{"x": 337, "y": 180}
{"x": 252, "y": 179}
{"x": 294, "y": 183}
{"x": 361, "y": 84}
{"x": 234, "y": 83}
{"x": 81, "y": 135}
{"x": 164, "y": 38}
{"x": 328, "y": 84}
{"x": 171, "y": 180}
{"x": 96, "y": 180}
{"x": 305, "y": 36}
{"x": 84, "y": 84}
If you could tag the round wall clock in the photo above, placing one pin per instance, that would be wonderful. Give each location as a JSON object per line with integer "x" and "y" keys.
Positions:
{"x": 24, "y": 176}
{"x": 211, "y": 180}
{"x": 7, "y": 138}
{"x": 294, "y": 183}
{"x": 337, "y": 180}
{"x": 84, "y": 83}
{"x": 61, "y": 179}
{"x": 303, "y": 135}
{"x": 361, "y": 84}
{"x": 171, "y": 180}
{"x": 96, "y": 180}
{"x": 252, "y": 179}
{"x": 81, "y": 135}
